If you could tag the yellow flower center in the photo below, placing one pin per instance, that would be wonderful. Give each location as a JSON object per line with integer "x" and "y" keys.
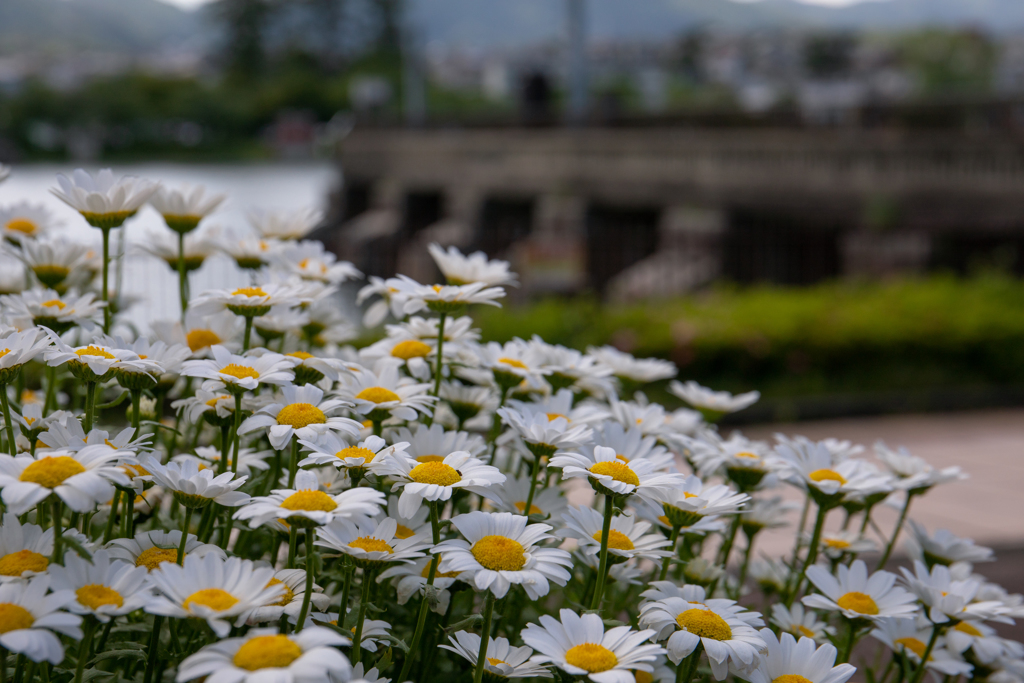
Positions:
{"x": 213, "y": 401}
{"x": 300, "y": 354}
{"x": 22, "y": 225}
{"x": 55, "y": 303}
{"x": 249, "y": 291}
{"x": 371, "y": 545}
{"x": 790, "y": 678}
{"x": 151, "y": 558}
{"x": 378, "y": 395}
{"x": 554, "y": 416}
{"x": 836, "y": 543}
{"x": 309, "y": 500}
{"x": 286, "y": 597}
{"x": 239, "y": 371}
{"x": 198, "y": 340}
{"x": 96, "y": 595}
{"x": 534, "y": 510}
{"x": 826, "y": 475}
{"x": 214, "y": 598}
{"x": 494, "y": 661}
{"x": 912, "y": 644}
{"x": 14, "y": 617}
{"x": 499, "y": 553}
{"x": 22, "y": 561}
{"x": 357, "y": 452}
{"x": 51, "y": 471}
{"x": 860, "y": 603}
{"x": 403, "y": 532}
{"x": 803, "y": 631}
{"x": 410, "y": 348}
{"x": 964, "y": 627}
{"x": 616, "y": 539}
{"x": 591, "y": 657}
{"x": 514, "y": 363}
{"x": 616, "y": 470}
{"x": 643, "y": 677}
{"x": 435, "y": 473}
{"x": 747, "y": 454}
{"x": 266, "y": 652}
{"x": 299, "y": 415}
{"x": 429, "y": 458}
{"x": 4, "y": 352}
{"x": 94, "y": 351}
{"x": 705, "y": 624}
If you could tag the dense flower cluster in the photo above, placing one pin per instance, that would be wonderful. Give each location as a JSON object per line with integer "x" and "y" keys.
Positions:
{"x": 287, "y": 507}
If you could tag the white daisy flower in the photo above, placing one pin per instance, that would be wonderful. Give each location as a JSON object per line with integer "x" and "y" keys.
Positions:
{"x": 572, "y": 368}
{"x": 215, "y": 407}
{"x": 801, "y": 623}
{"x": 942, "y": 548}
{"x": 412, "y": 580}
{"x": 726, "y": 637}
{"x": 714, "y": 402}
{"x": 655, "y": 513}
{"x": 435, "y": 481}
{"x": 370, "y": 676}
{"x": 32, "y": 621}
{"x": 513, "y": 364}
{"x": 68, "y": 435}
{"x": 545, "y": 432}
{"x": 951, "y": 599}
{"x": 371, "y": 543}
{"x": 627, "y": 538}
{"x": 102, "y": 588}
{"x": 300, "y": 411}
{"x": 629, "y": 368}
{"x": 307, "y": 656}
{"x": 249, "y": 251}
{"x": 82, "y": 480}
{"x": 249, "y": 460}
{"x": 501, "y": 549}
{"x": 150, "y": 549}
{"x": 767, "y": 513}
{"x": 240, "y": 373}
{"x": 417, "y": 524}
{"x": 580, "y": 646}
{"x": 467, "y": 402}
{"x": 631, "y": 444}
{"x": 983, "y": 640}
{"x": 330, "y": 449}
{"x": 164, "y": 246}
{"x": 182, "y": 209}
{"x": 609, "y": 475}
{"x": 96, "y": 362}
{"x": 25, "y": 549}
{"x": 104, "y": 201}
{"x": 285, "y": 225}
{"x": 47, "y": 308}
{"x": 310, "y": 369}
{"x": 771, "y": 575}
{"x": 810, "y": 467}
{"x": 459, "y": 269}
{"x": 743, "y": 461}
{"x": 248, "y": 302}
{"x": 914, "y": 473}
{"x": 293, "y": 583}
{"x": 50, "y": 260}
{"x": 511, "y": 497}
{"x": 194, "y": 487}
{"x": 433, "y": 443}
{"x": 445, "y": 298}
{"x": 692, "y": 500}
{"x": 200, "y": 333}
{"x": 856, "y": 595}
{"x": 503, "y": 660}
{"x": 904, "y": 637}
{"x": 24, "y": 220}
{"x": 835, "y": 544}
{"x": 307, "y": 505}
{"x": 380, "y": 393}
{"x": 311, "y": 261}
{"x": 17, "y": 349}
{"x": 838, "y": 449}
{"x": 802, "y": 660}
{"x": 211, "y": 588}
{"x": 375, "y": 633}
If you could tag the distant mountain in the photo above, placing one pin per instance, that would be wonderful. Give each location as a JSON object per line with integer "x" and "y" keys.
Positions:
{"x": 62, "y": 26}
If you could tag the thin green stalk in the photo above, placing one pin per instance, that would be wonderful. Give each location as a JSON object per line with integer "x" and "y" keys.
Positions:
{"x": 602, "y": 572}
{"x": 533, "y": 485}
{"x": 674, "y": 537}
{"x": 182, "y": 275}
{"x": 346, "y": 587}
{"x": 364, "y": 600}
{"x": 248, "y": 333}
{"x": 88, "y": 629}
{"x": 225, "y": 448}
{"x": 421, "y": 620}
{"x": 919, "y": 674}
{"x": 293, "y": 464}
{"x": 12, "y": 444}
{"x": 851, "y": 638}
{"x": 746, "y": 560}
{"x": 106, "y": 276}
{"x": 688, "y": 667}
{"x": 896, "y": 532}
{"x": 238, "y": 423}
{"x": 51, "y": 389}
{"x": 184, "y": 535}
{"x": 812, "y": 551}
{"x": 726, "y": 550}
{"x": 293, "y": 545}
{"x": 136, "y": 401}
{"x": 440, "y": 354}
{"x": 154, "y": 645}
{"x": 485, "y": 636}
{"x": 304, "y": 612}
{"x": 58, "y": 537}
{"x": 114, "y": 505}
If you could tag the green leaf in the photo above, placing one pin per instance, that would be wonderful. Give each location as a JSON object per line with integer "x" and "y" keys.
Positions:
{"x": 113, "y": 404}
{"x": 397, "y": 642}
{"x": 119, "y": 654}
{"x": 466, "y": 624}
{"x": 160, "y": 425}
{"x": 142, "y": 627}
{"x": 385, "y": 660}
{"x": 77, "y": 547}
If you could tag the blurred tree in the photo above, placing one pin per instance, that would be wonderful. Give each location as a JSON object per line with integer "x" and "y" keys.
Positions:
{"x": 949, "y": 61}
{"x": 390, "y": 13}
{"x": 243, "y": 23}
{"x": 325, "y": 24}
{"x": 829, "y": 55}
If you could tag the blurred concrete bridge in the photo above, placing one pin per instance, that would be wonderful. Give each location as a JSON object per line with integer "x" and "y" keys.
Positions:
{"x": 654, "y": 211}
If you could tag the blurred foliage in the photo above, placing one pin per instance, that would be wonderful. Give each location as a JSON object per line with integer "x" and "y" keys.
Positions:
{"x": 948, "y": 62}
{"x": 841, "y": 337}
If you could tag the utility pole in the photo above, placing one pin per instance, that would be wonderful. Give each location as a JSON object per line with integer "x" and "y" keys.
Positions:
{"x": 576, "y": 16}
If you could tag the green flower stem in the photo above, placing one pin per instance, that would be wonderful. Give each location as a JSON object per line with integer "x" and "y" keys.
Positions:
{"x": 919, "y": 674}
{"x": 421, "y": 620}
{"x": 293, "y": 464}
{"x": 812, "y": 550}
{"x": 57, "y": 532}
{"x": 88, "y": 629}
{"x": 674, "y": 538}
{"x": 896, "y": 532}
{"x": 114, "y": 504}
{"x": 51, "y": 389}
{"x": 238, "y": 423}
{"x": 347, "y": 586}
{"x": 726, "y": 549}
{"x": 182, "y": 276}
{"x": 485, "y": 636}
{"x": 154, "y": 644}
{"x": 310, "y": 538}
{"x": 184, "y": 535}
{"x": 851, "y": 640}
{"x": 533, "y": 485}
{"x": 225, "y": 448}
{"x": 106, "y": 277}
{"x": 440, "y": 354}
{"x": 746, "y": 560}
{"x": 364, "y": 600}
{"x": 688, "y": 667}
{"x": 248, "y": 333}
{"x": 90, "y": 405}
{"x": 136, "y": 402}
{"x": 5, "y": 402}
{"x": 602, "y": 572}
{"x": 127, "y": 514}
{"x": 293, "y": 544}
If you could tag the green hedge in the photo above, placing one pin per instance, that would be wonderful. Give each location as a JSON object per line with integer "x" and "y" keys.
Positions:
{"x": 841, "y": 337}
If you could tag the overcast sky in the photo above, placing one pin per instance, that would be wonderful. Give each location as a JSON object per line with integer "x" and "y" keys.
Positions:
{"x": 196, "y": 3}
